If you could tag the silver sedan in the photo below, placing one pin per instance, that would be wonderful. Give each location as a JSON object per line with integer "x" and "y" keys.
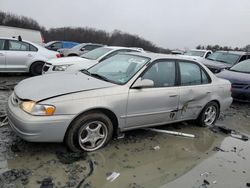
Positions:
{"x": 127, "y": 91}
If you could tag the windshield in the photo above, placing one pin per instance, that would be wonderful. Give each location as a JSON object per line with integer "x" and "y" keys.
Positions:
{"x": 95, "y": 54}
{"x": 77, "y": 46}
{"x": 49, "y": 43}
{"x": 224, "y": 57}
{"x": 119, "y": 68}
{"x": 243, "y": 66}
{"x": 195, "y": 53}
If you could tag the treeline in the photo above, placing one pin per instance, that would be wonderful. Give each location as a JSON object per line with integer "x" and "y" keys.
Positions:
{"x": 81, "y": 34}
{"x": 224, "y": 48}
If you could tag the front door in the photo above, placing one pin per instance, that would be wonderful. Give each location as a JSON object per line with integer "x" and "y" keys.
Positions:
{"x": 157, "y": 104}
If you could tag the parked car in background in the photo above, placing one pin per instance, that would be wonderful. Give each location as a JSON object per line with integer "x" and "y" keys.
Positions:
{"x": 126, "y": 91}
{"x": 239, "y": 76}
{"x": 78, "y": 49}
{"x": 177, "y": 52}
{"x": 86, "y": 60}
{"x": 220, "y": 60}
{"x": 55, "y": 45}
{"x": 26, "y": 34}
{"x": 23, "y": 56}
{"x": 198, "y": 53}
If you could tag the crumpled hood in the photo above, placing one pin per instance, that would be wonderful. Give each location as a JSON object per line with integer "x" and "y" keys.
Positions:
{"x": 51, "y": 85}
{"x": 234, "y": 76}
{"x": 215, "y": 64}
{"x": 68, "y": 60}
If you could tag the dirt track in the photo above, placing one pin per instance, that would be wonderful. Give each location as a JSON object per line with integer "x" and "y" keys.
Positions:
{"x": 211, "y": 160}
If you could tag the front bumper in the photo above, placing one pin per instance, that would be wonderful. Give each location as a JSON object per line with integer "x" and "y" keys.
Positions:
{"x": 37, "y": 128}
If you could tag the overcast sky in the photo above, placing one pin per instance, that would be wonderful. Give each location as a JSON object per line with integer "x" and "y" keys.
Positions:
{"x": 167, "y": 23}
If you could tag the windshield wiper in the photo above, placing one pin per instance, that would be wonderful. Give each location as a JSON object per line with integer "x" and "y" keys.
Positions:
{"x": 222, "y": 61}
{"x": 85, "y": 71}
{"x": 100, "y": 77}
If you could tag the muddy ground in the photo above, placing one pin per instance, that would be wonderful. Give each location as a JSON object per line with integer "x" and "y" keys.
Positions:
{"x": 141, "y": 159}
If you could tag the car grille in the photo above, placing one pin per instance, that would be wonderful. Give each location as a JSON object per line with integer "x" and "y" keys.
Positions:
{"x": 240, "y": 86}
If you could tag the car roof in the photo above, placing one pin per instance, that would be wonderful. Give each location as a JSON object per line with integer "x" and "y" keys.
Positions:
{"x": 155, "y": 56}
{"x": 235, "y": 52}
{"x": 9, "y": 38}
{"x": 121, "y": 47}
{"x": 198, "y": 50}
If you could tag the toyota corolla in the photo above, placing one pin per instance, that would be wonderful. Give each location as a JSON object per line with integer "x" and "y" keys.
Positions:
{"x": 86, "y": 109}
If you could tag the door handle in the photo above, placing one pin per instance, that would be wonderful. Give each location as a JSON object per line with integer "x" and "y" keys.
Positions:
{"x": 29, "y": 55}
{"x": 173, "y": 95}
{"x": 208, "y": 92}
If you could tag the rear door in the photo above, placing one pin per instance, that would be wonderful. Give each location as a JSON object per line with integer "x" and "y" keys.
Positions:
{"x": 19, "y": 55}
{"x": 195, "y": 89}
{"x": 2, "y": 55}
{"x": 157, "y": 104}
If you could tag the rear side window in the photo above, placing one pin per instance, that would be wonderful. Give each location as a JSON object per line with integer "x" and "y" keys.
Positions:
{"x": 33, "y": 48}
{"x": 1, "y": 44}
{"x": 192, "y": 74}
{"x": 18, "y": 46}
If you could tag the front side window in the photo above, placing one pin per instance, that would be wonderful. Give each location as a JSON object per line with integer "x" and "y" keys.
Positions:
{"x": 57, "y": 45}
{"x": 2, "y": 44}
{"x": 18, "y": 46}
{"x": 192, "y": 74}
{"x": 119, "y": 68}
{"x": 161, "y": 73}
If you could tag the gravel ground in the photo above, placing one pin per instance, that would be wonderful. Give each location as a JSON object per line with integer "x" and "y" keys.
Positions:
{"x": 141, "y": 159}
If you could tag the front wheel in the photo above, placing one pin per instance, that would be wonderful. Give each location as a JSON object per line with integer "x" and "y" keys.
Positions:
{"x": 89, "y": 132}
{"x": 209, "y": 115}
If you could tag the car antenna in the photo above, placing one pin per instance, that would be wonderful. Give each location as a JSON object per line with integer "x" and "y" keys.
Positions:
{"x": 19, "y": 38}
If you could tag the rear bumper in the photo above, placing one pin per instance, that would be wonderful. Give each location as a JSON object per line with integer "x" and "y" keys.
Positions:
{"x": 37, "y": 128}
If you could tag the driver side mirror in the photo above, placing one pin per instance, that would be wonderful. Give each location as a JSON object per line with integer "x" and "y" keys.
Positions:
{"x": 139, "y": 83}
{"x": 82, "y": 49}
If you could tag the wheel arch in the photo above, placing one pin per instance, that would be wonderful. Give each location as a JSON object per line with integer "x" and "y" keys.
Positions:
{"x": 109, "y": 113}
{"x": 36, "y": 61}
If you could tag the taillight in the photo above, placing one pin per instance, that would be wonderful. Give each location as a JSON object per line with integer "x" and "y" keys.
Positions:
{"x": 58, "y": 55}
{"x": 43, "y": 40}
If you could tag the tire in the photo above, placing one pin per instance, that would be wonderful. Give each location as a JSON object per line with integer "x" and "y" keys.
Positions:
{"x": 212, "y": 110}
{"x": 72, "y": 55}
{"x": 36, "y": 68}
{"x": 94, "y": 129}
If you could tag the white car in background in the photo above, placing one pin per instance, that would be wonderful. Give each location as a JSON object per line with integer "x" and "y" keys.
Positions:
{"x": 17, "y": 55}
{"x": 86, "y": 60}
{"x": 198, "y": 53}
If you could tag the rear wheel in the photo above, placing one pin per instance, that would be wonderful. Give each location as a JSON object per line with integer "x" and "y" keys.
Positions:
{"x": 89, "y": 132}
{"x": 209, "y": 114}
{"x": 36, "y": 68}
